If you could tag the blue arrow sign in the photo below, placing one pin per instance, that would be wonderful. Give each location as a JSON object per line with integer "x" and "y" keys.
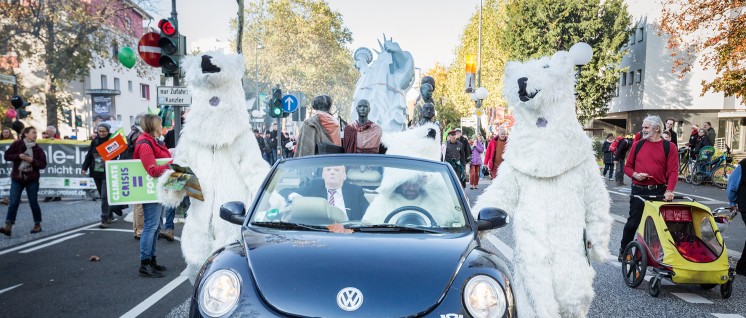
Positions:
{"x": 289, "y": 103}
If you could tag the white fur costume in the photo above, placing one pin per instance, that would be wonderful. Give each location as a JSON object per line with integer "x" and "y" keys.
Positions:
{"x": 218, "y": 145}
{"x": 413, "y": 143}
{"x": 551, "y": 186}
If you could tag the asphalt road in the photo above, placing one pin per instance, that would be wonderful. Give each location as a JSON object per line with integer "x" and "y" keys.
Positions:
{"x": 49, "y": 274}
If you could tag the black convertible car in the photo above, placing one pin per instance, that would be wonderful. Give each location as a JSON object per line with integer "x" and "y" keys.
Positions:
{"x": 356, "y": 236}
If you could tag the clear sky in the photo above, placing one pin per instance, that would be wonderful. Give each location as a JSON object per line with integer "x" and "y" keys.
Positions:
{"x": 429, "y": 29}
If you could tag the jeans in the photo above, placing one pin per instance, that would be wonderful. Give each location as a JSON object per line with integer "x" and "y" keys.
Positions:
{"x": 32, "y": 190}
{"x": 170, "y": 213}
{"x": 635, "y": 213}
{"x": 619, "y": 171}
{"x": 610, "y": 168}
{"x": 152, "y": 219}
{"x": 105, "y": 209}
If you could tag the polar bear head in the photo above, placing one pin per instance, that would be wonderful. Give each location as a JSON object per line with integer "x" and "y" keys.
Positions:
{"x": 541, "y": 91}
{"x": 214, "y": 80}
{"x": 419, "y": 142}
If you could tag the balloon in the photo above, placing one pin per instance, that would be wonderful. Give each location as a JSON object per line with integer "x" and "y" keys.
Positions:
{"x": 11, "y": 113}
{"x": 127, "y": 57}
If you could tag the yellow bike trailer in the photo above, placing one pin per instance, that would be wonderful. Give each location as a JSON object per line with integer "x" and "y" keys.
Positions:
{"x": 679, "y": 241}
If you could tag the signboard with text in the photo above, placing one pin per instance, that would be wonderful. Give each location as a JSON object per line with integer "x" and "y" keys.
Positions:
{"x": 174, "y": 96}
{"x": 127, "y": 182}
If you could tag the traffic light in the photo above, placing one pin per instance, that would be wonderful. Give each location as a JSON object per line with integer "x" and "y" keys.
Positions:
{"x": 20, "y": 105}
{"x": 78, "y": 121}
{"x": 275, "y": 104}
{"x": 170, "y": 44}
{"x": 68, "y": 114}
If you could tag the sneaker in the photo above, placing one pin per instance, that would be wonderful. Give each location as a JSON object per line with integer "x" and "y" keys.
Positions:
{"x": 168, "y": 234}
{"x": 103, "y": 225}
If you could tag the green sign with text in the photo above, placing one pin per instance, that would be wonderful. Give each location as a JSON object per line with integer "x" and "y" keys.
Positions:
{"x": 128, "y": 183}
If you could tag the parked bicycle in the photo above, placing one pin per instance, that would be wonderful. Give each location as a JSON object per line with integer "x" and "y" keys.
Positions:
{"x": 716, "y": 170}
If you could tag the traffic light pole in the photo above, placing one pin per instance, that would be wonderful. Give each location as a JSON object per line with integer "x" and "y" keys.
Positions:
{"x": 177, "y": 109}
{"x": 279, "y": 138}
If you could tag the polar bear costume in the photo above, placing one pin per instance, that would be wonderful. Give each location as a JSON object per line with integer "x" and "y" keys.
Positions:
{"x": 418, "y": 142}
{"x": 218, "y": 145}
{"x": 551, "y": 187}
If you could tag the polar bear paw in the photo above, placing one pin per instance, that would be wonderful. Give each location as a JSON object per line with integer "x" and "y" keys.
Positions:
{"x": 169, "y": 198}
{"x": 599, "y": 254}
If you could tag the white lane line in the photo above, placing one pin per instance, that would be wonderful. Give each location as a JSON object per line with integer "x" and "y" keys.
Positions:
{"x": 32, "y": 243}
{"x": 501, "y": 246}
{"x": 9, "y": 288}
{"x": 618, "y": 218}
{"x": 51, "y": 243}
{"x": 727, "y": 315}
{"x": 701, "y": 197}
{"x": 73, "y": 202}
{"x": 692, "y": 298}
{"x": 154, "y": 298}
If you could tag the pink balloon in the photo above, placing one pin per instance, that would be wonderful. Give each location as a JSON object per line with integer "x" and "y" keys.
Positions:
{"x": 11, "y": 113}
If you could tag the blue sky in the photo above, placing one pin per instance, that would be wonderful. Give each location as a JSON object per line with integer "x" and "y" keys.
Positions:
{"x": 429, "y": 29}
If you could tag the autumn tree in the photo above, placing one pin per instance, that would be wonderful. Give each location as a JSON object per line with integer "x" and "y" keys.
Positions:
{"x": 304, "y": 48}
{"x": 64, "y": 39}
{"x": 536, "y": 28}
{"x": 715, "y": 30}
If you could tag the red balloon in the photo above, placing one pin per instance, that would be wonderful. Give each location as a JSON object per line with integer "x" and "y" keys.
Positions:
{"x": 11, "y": 113}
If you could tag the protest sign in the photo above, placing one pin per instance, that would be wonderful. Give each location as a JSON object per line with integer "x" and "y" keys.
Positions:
{"x": 128, "y": 183}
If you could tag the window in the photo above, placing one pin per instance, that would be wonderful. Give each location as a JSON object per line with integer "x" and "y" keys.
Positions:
{"x": 632, "y": 38}
{"x": 638, "y": 76}
{"x": 624, "y": 79}
{"x": 129, "y": 86}
{"x": 640, "y": 33}
{"x": 145, "y": 91}
{"x": 103, "y": 82}
{"x": 132, "y": 120}
{"x": 631, "y": 78}
{"x": 116, "y": 83}
{"x": 119, "y": 117}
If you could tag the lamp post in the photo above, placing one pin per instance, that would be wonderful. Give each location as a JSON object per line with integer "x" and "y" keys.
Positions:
{"x": 256, "y": 70}
{"x": 581, "y": 54}
{"x": 481, "y": 92}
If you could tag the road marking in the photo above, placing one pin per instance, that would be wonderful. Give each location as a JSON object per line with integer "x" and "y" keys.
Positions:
{"x": 692, "y": 298}
{"x": 9, "y": 288}
{"x": 701, "y": 197}
{"x": 73, "y": 202}
{"x": 501, "y": 246}
{"x": 154, "y": 298}
{"x": 727, "y": 315}
{"x": 51, "y": 243}
{"x": 618, "y": 218}
{"x": 32, "y": 243}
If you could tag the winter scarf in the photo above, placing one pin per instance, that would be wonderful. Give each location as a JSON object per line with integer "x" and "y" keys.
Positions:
{"x": 25, "y": 168}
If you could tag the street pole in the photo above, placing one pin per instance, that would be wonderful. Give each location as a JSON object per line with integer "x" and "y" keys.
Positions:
{"x": 177, "y": 109}
{"x": 239, "y": 35}
{"x": 279, "y": 140}
{"x": 75, "y": 122}
{"x": 479, "y": 66}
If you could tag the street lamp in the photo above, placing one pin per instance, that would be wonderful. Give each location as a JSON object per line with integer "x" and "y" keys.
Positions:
{"x": 581, "y": 54}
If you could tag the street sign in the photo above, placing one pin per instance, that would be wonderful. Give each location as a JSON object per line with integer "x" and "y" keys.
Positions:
{"x": 479, "y": 112}
{"x": 10, "y": 79}
{"x": 289, "y": 103}
{"x": 149, "y": 50}
{"x": 468, "y": 121}
{"x": 174, "y": 96}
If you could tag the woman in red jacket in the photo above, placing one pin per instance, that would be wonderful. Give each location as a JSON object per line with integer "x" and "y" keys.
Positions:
{"x": 148, "y": 149}
{"x": 28, "y": 158}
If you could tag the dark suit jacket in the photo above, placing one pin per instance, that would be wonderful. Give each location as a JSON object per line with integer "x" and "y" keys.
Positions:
{"x": 354, "y": 197}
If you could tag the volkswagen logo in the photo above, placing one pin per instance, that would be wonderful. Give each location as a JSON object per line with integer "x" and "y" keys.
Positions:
{"x": 349, "y": 299}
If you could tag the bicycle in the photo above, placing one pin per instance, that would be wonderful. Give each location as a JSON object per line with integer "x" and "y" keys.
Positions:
{"x": 717, "y": 170}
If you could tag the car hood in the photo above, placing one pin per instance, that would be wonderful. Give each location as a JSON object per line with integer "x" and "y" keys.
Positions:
{"x": 302, "y": 273}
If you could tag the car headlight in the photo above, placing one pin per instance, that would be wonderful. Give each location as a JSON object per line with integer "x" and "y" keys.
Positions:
{"x": 220, "y": 293}
{"x": 484, "y": 297}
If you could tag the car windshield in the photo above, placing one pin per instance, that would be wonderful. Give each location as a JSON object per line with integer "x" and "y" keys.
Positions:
{"x": 362, "y": 193}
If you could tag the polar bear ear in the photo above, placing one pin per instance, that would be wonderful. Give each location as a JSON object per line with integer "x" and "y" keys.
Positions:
{"x": 511, "y": 67}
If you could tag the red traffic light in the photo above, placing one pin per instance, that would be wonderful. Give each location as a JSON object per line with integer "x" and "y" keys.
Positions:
{"x": 167, "y": 27}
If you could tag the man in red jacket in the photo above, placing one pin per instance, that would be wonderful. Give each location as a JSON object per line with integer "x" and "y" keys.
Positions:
{"x": 653, "y": 166}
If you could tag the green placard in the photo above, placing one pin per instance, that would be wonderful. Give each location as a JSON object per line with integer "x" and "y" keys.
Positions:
{"x": 128, "y": 183}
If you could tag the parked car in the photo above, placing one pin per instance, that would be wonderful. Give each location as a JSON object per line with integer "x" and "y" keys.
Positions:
{"x": 414, "y": 250}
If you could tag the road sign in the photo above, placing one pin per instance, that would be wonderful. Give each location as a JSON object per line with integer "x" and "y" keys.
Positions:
{"x": 10, "y": 79}
{"x": 149, "y": 50}
{"x": 289, "y": 103}
{"x": 468, "y": 121}
{"x": 479, "y": 112}
{"x": 174, "y": 96}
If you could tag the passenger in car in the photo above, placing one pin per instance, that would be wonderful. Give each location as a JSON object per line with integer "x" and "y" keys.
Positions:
{"x": 334, "y": 187}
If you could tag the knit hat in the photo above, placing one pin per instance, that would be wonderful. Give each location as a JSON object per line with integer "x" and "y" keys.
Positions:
{"x": 105, "y": 125}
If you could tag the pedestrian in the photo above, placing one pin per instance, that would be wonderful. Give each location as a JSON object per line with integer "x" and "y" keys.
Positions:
{"x": 135, "y": 132}
{"x": 693, "y": 141}
{"x": 270, "y": 148}
{"x": 28, "y": 159}
{"x": 654, "y": 169}
{"x": 666, "y": 136}
{"x": 147, "y": 150}
{"x": 737, "y": 197}
{"x": 702, "y": 141}
{"x": 494, "y": 155}
{"x": 6, "y": 134}
{"x": 465, "y": 153}
{"x": 453, "y": 155}
{"x": 711, "y": 134}
{"x": 96, "y": 164}
{"x": 608, "y": 157}
{"x": 620, "y": 154}
{"x": 669, "y": 128}
{"x": 476, "y": 162}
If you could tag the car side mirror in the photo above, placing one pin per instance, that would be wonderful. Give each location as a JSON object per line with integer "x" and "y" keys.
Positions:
{"x": 234, "y": 212}
{"x": 492, "y": 218}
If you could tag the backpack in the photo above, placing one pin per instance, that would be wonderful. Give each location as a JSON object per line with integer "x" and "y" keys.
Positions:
{"x": 614, "y": 144}
{"x": 666, "y": 147}
{"x": 131, "y": 140}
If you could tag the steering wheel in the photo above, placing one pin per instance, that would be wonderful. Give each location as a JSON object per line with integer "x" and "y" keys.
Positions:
{"x": 411, "y": 208}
